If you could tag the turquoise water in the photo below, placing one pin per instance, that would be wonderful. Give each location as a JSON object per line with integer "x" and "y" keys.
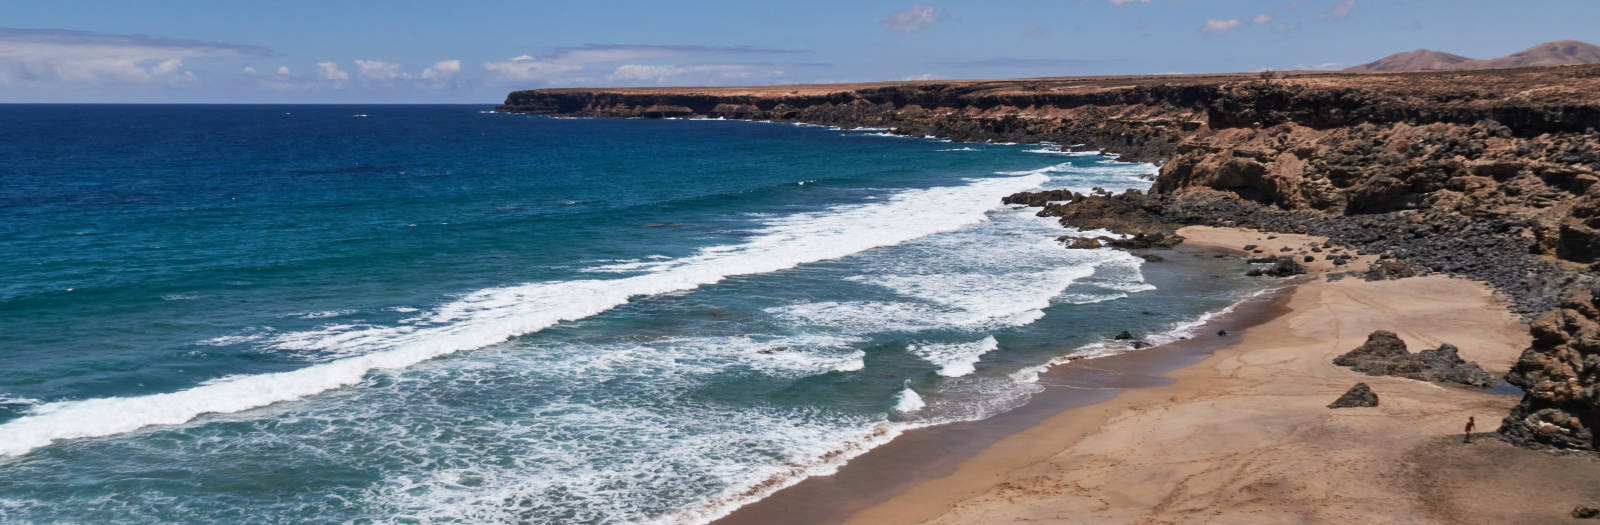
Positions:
{"x": 435, "y": 313}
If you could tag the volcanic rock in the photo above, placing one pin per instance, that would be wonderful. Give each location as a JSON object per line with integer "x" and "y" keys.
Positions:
{"x": 1390, "y": 269}
{"x": 1358, "y": 396}
{"x": 1282, "y": 266}
{"x": 1560, "y": 377}
{"x": 1384, "y": 354}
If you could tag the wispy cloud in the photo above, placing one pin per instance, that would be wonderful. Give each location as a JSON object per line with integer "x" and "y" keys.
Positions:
{"x": 910, "y": 19}
{"x": 1121, "y": 2}
{"x": 1325, "y": 66}
{"x": 367, "y": 73}
{"x": 380, "y": 70}
{"x": 58, "y": 56}
{"x": 1340, "y": 11}
{"x": 1261, "y": 18}
{"x": 572, "y": 60}
{"x": 1023, "y": 63}
{"x": 1216, "y": 25}
{"x": 330, "y": 72}
{"x": 693, "y": 74}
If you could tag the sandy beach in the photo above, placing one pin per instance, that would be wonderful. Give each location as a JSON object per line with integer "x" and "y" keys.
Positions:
{"x": 1244, "y": 435}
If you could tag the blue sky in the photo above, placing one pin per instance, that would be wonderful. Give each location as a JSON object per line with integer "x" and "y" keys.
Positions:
{"x": 475, "y": 51}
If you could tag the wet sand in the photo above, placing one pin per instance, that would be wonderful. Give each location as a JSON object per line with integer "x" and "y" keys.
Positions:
{"x": 1232, "y": 429}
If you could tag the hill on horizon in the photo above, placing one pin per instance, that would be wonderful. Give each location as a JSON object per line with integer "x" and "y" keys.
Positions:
{"x": 1558, "y": 53}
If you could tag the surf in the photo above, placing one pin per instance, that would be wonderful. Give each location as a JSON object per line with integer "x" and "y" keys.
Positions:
{"x": 490, "y": 316}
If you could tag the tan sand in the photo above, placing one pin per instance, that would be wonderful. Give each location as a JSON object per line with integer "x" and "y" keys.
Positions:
{"x": 1244, "y": 436}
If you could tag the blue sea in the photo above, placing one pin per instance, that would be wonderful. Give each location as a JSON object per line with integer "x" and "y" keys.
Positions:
{"x": 439, "y": 314}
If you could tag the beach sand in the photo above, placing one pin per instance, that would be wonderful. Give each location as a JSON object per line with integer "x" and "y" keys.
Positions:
{"x": 1244, "y": 435}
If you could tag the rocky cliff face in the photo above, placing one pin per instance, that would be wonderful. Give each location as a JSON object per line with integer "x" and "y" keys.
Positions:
{"x": 1561, "y": 375}
{"x": 1489, "y": 174}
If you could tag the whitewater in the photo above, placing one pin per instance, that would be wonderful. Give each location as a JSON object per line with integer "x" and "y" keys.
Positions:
{"x": 489, "y": 316}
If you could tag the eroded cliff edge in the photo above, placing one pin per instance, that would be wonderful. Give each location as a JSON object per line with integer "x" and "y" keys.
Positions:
{"x": 1488, "y": 174}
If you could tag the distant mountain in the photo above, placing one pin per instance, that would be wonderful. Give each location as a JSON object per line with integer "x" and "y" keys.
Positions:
{"x": 1558, "y": 53}
{"x": 1413, "y": 61}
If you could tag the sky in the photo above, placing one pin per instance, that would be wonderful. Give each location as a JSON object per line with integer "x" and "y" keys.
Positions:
{"x": 400, "y": 51}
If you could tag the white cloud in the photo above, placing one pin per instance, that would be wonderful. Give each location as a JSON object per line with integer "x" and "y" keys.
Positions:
{"x": 910, "y": 19}
{"x": 330, "y": 72}
{"x": 561, "y": 63}
{"x": 528, "y": 69}
{"x": 1340, "y": 11}
{"x": 927, "y": 76}
{"x": 283, "y": 70}
{"x": 379, "y": 70}
{"x": 1315, "y": 67}
{"x": 1214, "y": 25}
{"x": 699, "y": 74}
{"x": 442, "y": 70}
{"x": 249, "y": 70}
{"x": 48, "y": 57}
{"x": 1261, "y": 18}
{"x": 1121, "y": 2}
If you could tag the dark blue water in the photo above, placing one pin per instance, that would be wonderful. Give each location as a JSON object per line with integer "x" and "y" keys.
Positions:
{"x": 433, "y": 313}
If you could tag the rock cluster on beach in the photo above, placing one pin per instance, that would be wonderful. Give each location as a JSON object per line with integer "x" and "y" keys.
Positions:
{"x": 1384, "y": 354}
{"x": 1280, "y": 266}
{"x": 1358, "y": 396}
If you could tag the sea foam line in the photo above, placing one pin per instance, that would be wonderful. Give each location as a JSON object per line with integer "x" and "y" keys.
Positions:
{"x": 493, "y": 315}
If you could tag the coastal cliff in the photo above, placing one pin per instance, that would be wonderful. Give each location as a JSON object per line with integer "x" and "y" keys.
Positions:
{"x": 1487, "y": 174}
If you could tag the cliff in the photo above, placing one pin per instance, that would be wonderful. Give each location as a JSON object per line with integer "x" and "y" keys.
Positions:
{"x": 1489, "y": 174}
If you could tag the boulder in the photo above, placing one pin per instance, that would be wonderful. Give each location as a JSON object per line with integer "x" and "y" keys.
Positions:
{"x": 1381, "y": 345}
{"x": 1446, "y": 365}
{"x": 1282, "y": 266}
{"x": 1079, "y": 243}
{"x": 1358, "y": 396}
{"x": 1384, "y": 354}
{"x": 1585, "y": 512}
{"x": 1124, "y": 335}
{"x": 1390, "y": 269}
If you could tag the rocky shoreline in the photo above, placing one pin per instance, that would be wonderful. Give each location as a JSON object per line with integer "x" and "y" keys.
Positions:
{"x": 1490, "y": 175}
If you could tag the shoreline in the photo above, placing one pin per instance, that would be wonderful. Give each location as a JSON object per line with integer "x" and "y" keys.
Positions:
{"x": 1231, "y": 437}
{"x": 1070, "y": 383}
{"x": 1091, "y": 448}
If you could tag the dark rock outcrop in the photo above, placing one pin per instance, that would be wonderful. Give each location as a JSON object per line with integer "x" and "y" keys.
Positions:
{"x": 1560, "y": 377}
{"x": 1358, "y": 396}
{"x": 1384, "y": 354}
{"x": 1282, "y": 266}
{"x": 1390, "y": 269}
{"x": 1079, "y": 243}
{"x": 1586, "y": 512}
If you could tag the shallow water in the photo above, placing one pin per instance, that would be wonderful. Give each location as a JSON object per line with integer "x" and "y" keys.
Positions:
{"x": 285, "y": 313}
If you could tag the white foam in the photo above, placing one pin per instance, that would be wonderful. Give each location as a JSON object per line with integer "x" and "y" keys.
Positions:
{"x": 1178, "y": 331}
{"x": 13, "y": 400}
{"x": 963, "y": 148}
{"x": 325, "y": 314}
{"x": 954, "y": 359}
{"x": 908, "y": 400}
{"x": 489, "y": 316}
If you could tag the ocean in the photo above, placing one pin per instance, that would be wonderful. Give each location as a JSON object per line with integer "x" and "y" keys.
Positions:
{"x": 289, "y": 314}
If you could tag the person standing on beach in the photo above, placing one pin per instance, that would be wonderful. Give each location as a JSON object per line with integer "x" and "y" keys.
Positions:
{"x": 1472, "y": 424}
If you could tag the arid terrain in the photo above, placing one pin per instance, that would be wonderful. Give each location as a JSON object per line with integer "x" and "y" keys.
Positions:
{"x": 1487, "y": 175}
